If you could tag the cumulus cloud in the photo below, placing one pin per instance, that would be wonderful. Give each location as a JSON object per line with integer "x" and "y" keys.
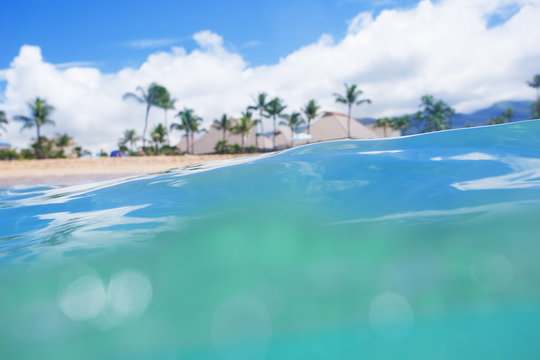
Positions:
{"x": 444, "y": 48}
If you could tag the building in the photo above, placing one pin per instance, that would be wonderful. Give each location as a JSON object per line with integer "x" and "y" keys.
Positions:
{"x": 329, "y": 126}
{"x": 333, "y": 126}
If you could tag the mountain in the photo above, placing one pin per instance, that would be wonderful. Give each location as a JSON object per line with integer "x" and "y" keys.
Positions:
{"x": 522, "y": 111}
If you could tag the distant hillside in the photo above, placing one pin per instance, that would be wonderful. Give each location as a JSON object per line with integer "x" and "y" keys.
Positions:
{"x": 522, "y": 110}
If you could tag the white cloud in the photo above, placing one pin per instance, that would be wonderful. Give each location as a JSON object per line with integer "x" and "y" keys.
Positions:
{"x": 72, "y": 64}
{"x": 442, "y": 48}
{"x": 153, "y": 43}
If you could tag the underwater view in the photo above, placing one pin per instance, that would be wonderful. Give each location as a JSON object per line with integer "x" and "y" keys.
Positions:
{"x": 420, "y": 247}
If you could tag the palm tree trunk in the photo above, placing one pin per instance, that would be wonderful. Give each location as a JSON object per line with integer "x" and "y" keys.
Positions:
{"x": 224, "y": 133}
{"x": 192, "y": 143}
{"x": 244, "y": 141}
{"x": 274, "y": 138}
{"x": 261, "y": 116}
{"x": 187, "y": 142}
{"x": 167, "y": 135}
{"x": 38, "y": 143}
{"x": 292, "y": 135}
{"x": 145, "y": 126}
{"x": 349, "y": 122}
{"x": 262, "y": 126}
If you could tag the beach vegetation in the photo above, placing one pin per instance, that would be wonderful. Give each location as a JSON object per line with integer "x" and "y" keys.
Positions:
{"x": 350, "y": 98}
{"x": 40, "y": 113}
{"x": 535, "y": 109}
{"x": 260, "y": 105}
{"x": 503, "y": 118}
{"x": 190, "y": 124}
{"x": 311, "y": 111}
{"x": 150, "y": 97}
{"x": 168, "y": 150}
{"x": 293, "y": 121}
{"x": 401, "y": 123}
{"x": 274, "y": 108}
{"x": 435, "y": 115}
{"x": 224, "y": 124}
{"x": 384, "y": 123}
{"x": 159, "y": 134}
{"x": 3, "y": 120}
{"x": 222, "y": 147}
{"x": 63, "y": 141}
{"x": 166, "y": 103}
{"x": 131, "y": 137}
{"x": 535, "y": 84}
{"x": 244, "y": 125}
{"x": 82, "y": 152}
{"x": 9, "y": 154}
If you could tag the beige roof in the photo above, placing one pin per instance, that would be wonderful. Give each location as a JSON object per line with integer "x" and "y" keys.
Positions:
{"x": 206, "y": 143}
{"x": 380, "y": 131}
{"x": 182, "y": 145}
{"x": 329, "y": 126}
{"x": 333, "y": 126}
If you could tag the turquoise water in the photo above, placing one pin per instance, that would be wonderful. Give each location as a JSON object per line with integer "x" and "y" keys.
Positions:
{"x": 423, "y": 247}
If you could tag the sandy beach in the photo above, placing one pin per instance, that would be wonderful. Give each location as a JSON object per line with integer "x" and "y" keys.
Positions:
{"x": 77, "y": 171}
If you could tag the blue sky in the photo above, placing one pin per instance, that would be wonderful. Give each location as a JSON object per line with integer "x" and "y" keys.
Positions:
{"x": 116, "y": 34}
{"x": 215, "y": 56}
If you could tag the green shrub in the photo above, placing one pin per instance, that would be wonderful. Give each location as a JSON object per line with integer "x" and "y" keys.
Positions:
{"x": 27, "y": 154}
{"x": 221, "y": 147}
{"x": 9, "y": 154}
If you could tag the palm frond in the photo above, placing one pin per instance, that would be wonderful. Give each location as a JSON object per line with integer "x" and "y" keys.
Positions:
{"x": 363, "y": 101}
{"x": 133, "y": 96}
{"x": 340, "y": 98}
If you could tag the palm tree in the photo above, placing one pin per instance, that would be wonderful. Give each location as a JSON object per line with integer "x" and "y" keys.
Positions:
{"x": 243, "y": 126}
{"x": 130, "y": 136}
{"x": 158, "y": 136}
{"x": 310, "y": 111}
{"x": 39, "y": 117}
{"x": 436, "y": 114}
{"x": 274, "y": 108}
{"x": 351, "y": 98}
{"x": 293, "y": 121}
{"x": 150, "y": 97}
{"x": 260, "y": 105}
{"x": 189, "y": 123}
{"x": 3, "y": 120}
{"x": 535, "y": 83}
{"x": 503, "y": 118}
{"x": 224, "y": 124}
{"x": 401, "y": 123}
{"x": 63, "y": 141}
{"x": 383, "y": 123}
{"x": 166, "y": 103}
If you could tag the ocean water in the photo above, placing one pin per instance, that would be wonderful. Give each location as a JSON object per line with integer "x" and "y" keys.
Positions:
{"x": 422, "y": 247}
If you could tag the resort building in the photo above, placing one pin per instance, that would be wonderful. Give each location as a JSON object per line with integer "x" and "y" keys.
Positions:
{"x": 329, "y": 126}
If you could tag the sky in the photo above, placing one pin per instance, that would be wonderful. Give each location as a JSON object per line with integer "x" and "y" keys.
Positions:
{"x": 215, "y": 56}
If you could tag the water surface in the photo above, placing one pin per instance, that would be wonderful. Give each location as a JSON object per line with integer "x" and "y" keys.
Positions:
{"x": 417, "y": 247}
